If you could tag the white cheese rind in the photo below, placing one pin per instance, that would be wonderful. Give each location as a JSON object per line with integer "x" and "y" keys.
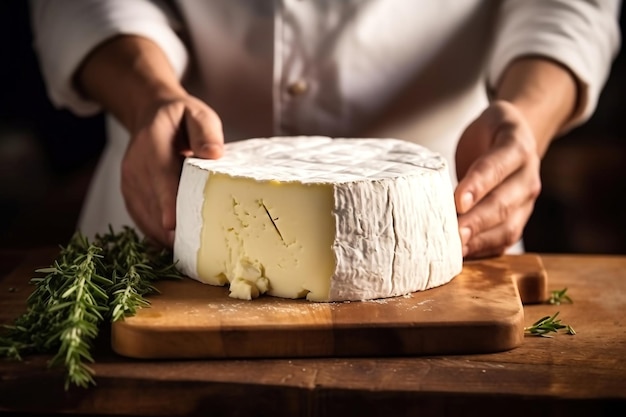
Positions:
{"x": 396, "y": 229}
{"x": 189, "y": 203}
{"x": 408, "y": 229}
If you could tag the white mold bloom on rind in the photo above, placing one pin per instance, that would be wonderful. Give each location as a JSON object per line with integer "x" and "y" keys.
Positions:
{"x": 396, "y": 229}
{"x": 189, "y": 202}
{"x": 414, "y": 246}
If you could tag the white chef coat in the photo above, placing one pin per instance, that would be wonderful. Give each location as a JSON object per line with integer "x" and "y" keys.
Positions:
{"x": 419, "y": 70}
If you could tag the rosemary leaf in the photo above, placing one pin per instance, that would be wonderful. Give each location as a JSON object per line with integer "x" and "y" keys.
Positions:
{"x": 546, "y": 325}
{"x": 88, "y": 284}
{"x": 558, "y": 297}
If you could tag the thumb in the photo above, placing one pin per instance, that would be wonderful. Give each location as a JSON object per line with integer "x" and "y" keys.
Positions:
{"x": 474, "y": 141}
{"x": 473, "y": 144}
{"x": 204, "y": 129}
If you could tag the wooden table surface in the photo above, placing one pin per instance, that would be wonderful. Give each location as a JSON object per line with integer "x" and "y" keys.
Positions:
{"x": 564, "y": 375}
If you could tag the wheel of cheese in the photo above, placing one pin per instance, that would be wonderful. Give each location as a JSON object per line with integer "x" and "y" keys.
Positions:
{"x": 316, "y": 217}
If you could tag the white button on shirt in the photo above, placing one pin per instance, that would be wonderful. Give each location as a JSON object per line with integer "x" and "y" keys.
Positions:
{"x": 418, "y": 70}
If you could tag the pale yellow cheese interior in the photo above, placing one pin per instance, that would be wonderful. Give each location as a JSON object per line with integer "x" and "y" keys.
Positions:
{"x": 267, "y": 236}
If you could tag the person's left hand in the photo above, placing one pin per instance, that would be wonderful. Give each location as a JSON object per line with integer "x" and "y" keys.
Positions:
{"x": 499, "y": 180}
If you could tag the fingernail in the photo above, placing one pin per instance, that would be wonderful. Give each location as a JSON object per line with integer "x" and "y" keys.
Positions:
{"x": 466, "y": 234}
{"x": 211, "y": 149}
{"x": 170, "y": 238}
{"x": 467, "y": 200}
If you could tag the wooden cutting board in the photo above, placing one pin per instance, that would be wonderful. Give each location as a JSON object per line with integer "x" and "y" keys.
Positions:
{"x": 480, "y": 311}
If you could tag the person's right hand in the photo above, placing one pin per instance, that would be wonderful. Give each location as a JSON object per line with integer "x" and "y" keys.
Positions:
{"x": 160, "y": 139}
{"x": 133, "y": 79}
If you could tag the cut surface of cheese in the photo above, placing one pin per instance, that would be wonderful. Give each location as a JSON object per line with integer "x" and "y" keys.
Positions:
{"x": 316, "y": 217}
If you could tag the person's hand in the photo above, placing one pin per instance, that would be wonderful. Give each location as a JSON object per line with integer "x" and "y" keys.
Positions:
{"x": 163, "y": 136}
{"x": 499, "y": 180}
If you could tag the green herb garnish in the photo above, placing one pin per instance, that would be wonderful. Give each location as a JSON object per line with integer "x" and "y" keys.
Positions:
{"x": 546, "y": 325}
{"x": 88, "y": 284}
{"x": 557, "y": 297}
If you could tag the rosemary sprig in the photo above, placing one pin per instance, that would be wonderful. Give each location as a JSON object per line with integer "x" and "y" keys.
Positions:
{"x": 546, "y": 325}
{"x": 133, "y": 268}
{"x": 78, "y": 313}
{"x": 559, "y": 296}
{"x": 87, "y": 284}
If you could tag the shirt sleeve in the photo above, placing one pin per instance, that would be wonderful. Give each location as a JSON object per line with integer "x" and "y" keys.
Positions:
{"x": 65, "y": 32}
{"x": 582, "y": 35}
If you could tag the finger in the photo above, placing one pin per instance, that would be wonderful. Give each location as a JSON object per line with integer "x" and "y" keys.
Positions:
{"x": 204, "y": 130}
{"x": 496, "y": 240}
{"x": 165, "y": 175}
{"x": 506, "y": 157}
{"x": 474, "y": 141}
{"x": 166, "y": 190}
{"x": 152, "y": 167}
{"x": 142, "y": 206}
{"x": 143, "y": 219}
{"x": 518, "y": 189}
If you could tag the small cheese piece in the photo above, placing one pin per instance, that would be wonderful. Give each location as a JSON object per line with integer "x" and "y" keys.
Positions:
{"x": 321, "y": 218}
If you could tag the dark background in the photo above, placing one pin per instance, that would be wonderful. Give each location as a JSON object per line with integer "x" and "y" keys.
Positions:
{"x": 47, "y": 157}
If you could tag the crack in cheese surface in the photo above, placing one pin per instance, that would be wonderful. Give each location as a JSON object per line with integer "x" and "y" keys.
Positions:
{"x": 321, "y": 218}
